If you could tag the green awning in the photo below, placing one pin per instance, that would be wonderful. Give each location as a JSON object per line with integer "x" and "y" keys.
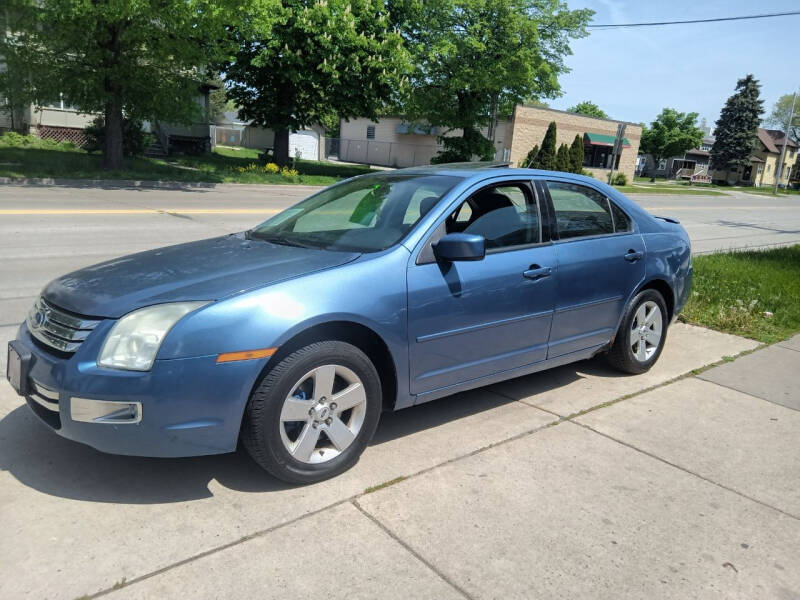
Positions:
{"x": 600, "y": 139}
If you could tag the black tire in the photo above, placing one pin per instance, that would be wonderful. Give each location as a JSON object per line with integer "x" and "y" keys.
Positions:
{"x": 621, "y": 355}
{"x": 261, "y": 426}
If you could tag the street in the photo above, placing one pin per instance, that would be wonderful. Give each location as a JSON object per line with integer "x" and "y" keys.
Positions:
{"x": 576, "y": 482}
{"x": 48, "y": 231}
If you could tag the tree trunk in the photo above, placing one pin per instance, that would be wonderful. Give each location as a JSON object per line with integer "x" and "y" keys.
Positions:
{"x": 112, "y": 152}
{"x": 655, "y": 168}
{"x": 280, "y": 147}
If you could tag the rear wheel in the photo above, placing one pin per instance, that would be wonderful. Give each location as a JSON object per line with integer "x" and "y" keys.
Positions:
{"x": 641, "y": 335}
{"x": 314, "y": 413}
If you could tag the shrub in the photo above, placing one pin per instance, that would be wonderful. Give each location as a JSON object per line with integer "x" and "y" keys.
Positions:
{"x": 270, "y": 169}
{"x": 12, "y": 138}
{"x": 619, "y": 179}
{"x": 135, "y": 141}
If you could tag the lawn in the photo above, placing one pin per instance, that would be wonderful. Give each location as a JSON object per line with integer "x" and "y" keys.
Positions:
{"x": 733, "y": 292}
{"x": 224, "y": 165}
{"x": 676, "y": 190}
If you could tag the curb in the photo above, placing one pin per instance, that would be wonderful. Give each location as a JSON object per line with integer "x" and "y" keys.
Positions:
{"x": 105, "y": 183}
{"x": 145, "y": 184}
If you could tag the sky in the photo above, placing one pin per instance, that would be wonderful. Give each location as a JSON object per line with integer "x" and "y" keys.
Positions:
{"x": 633, "y": 73}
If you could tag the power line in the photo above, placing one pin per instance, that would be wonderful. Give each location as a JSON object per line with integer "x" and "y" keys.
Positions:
{"x": 651, "y": 24}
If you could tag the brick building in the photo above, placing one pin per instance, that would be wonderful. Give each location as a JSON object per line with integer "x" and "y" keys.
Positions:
{"x": 393, "y": 142}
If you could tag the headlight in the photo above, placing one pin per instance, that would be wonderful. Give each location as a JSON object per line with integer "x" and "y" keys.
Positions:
{"x": 133, "y": 342}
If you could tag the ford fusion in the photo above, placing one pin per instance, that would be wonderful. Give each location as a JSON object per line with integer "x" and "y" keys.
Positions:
{"x": 376, "y": 294}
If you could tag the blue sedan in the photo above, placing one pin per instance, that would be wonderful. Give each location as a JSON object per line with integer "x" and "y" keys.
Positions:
{"x": 378, "y": 293}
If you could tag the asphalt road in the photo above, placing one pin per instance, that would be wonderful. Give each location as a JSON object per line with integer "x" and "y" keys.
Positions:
{"x": 48, "y": 231}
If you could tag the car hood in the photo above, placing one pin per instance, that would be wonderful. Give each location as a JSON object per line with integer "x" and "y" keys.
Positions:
{"x": 204, "y": 270}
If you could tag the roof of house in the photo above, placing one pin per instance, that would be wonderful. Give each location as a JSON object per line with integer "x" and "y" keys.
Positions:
{"x": 698, "y": 152}
{"x": 773, "y": 139}
{"x": 755, "y": 159}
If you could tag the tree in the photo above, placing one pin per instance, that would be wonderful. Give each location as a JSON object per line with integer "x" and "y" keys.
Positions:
{"x": 323, "y": 60}
{"x": 124, "y": 59}
{"x": 576, "y": 155}
{"x": 218, "y": 102}
{"x": 737, "y": 125}
{"x": 17, "y": 91}
{"x": 779, "y": 117}
{"x": 563, "y": 162}
{"x": 546, "y": 158}
{"x": 590, "y": 109}
{"x": 476, "y": 59}
{"x": 671, "y": 134}
{"x": 530, "y": 158}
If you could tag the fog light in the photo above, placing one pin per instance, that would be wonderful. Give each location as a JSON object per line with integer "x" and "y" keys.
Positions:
{"x": 105, "y": 411}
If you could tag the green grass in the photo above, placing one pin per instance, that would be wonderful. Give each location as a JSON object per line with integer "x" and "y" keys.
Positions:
{"x": 59, "y": 161}
{"x": 733, "y": 291}
{"x": 675, "y": 190}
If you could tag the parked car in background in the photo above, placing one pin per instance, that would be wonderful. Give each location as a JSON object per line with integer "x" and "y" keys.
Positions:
{"x": 378, "y": 293}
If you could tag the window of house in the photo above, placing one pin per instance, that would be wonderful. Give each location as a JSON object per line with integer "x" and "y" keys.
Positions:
{"x": 370, "y": 132}
{"x": 505, "y": 215}
{"x": 760, "y": 169}
{"x": 580, "y": 211}
{"x": 769, "y": 168}
{"x": 662, "y": 164}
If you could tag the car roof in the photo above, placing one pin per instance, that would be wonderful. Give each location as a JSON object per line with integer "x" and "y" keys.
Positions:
{"x": 485, "y": 170}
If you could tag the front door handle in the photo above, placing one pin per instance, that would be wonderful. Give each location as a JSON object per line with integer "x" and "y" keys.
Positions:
{"x": 537, "y": 272}
{"x": 633, "y": 255}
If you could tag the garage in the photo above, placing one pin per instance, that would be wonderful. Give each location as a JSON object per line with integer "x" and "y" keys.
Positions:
{"x": 305, "y": 144}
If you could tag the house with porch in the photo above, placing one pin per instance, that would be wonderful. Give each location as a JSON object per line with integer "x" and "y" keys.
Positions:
{"x": 59, "y": 121}
{"x": 762, "y": 169}
{"x": 692, "y": 165}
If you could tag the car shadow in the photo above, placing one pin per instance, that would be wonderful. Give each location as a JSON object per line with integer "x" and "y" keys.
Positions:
{"x": 50, "y": 464}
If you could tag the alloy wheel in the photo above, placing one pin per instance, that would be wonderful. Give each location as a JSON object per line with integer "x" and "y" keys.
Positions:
{"x": 323, "y": 414}
{"x": 646, "y": 331}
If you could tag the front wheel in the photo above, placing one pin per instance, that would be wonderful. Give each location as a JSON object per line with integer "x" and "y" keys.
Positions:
{"x": 314, "y": 413}
{"x": 641, "y": 334}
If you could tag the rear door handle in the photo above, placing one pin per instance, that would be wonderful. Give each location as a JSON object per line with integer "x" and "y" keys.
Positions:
{"x": 537, "y": 272}
{"x": 633, "y": 255}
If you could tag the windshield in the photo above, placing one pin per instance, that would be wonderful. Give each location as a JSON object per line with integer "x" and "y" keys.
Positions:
{"x": 366, "y": 214}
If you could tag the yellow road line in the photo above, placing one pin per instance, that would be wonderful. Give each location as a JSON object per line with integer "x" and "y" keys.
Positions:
{"x": 138, "y": 211}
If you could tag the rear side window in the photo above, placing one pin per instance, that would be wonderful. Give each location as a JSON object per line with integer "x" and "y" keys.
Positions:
{"x": 621, "y": 221}
{"x": 580, "y": 211}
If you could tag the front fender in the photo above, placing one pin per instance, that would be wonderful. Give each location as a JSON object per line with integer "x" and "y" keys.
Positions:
{"x": 370, "y": 291}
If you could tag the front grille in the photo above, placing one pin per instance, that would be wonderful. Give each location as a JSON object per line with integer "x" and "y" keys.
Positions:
{"x": 58, "y": 328}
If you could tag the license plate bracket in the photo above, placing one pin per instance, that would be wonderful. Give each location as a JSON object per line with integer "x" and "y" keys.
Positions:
{"x": 18, "y": 367}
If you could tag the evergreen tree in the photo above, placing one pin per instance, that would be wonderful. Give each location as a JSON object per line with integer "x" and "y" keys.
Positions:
{"x": 576, "y": 155}
{"x": 546, "y": 158}
{"x": 737, "y": 125}
{"x": 563, "y": 162}
{"x": 530, "y": 158}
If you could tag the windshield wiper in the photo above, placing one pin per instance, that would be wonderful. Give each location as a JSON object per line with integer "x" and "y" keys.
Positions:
{"x": 277, "y": 239}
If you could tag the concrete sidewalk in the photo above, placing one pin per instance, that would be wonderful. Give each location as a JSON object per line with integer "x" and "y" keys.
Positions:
{"x": 572, "y": 483}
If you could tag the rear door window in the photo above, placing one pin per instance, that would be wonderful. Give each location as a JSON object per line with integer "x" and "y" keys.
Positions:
{"x": 580, "y": 211}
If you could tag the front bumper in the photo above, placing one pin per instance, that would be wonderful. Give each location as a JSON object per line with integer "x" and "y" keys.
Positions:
{"x": 186, "y": 406}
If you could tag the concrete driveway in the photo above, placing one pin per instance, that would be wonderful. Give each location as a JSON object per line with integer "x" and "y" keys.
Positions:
{"x": 577, "y": 483}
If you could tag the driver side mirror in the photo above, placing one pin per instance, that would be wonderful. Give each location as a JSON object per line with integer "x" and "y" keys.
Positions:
{"x": 460, "y": 246}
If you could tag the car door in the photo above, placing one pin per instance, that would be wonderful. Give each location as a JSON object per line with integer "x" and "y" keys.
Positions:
{"x": 472, "y": 319}
{"x": 600, "y": 258}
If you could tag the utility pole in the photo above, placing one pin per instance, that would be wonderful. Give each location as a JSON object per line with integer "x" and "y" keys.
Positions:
{"x": 617, "y": 149}
{"x": 779, "y": 170}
